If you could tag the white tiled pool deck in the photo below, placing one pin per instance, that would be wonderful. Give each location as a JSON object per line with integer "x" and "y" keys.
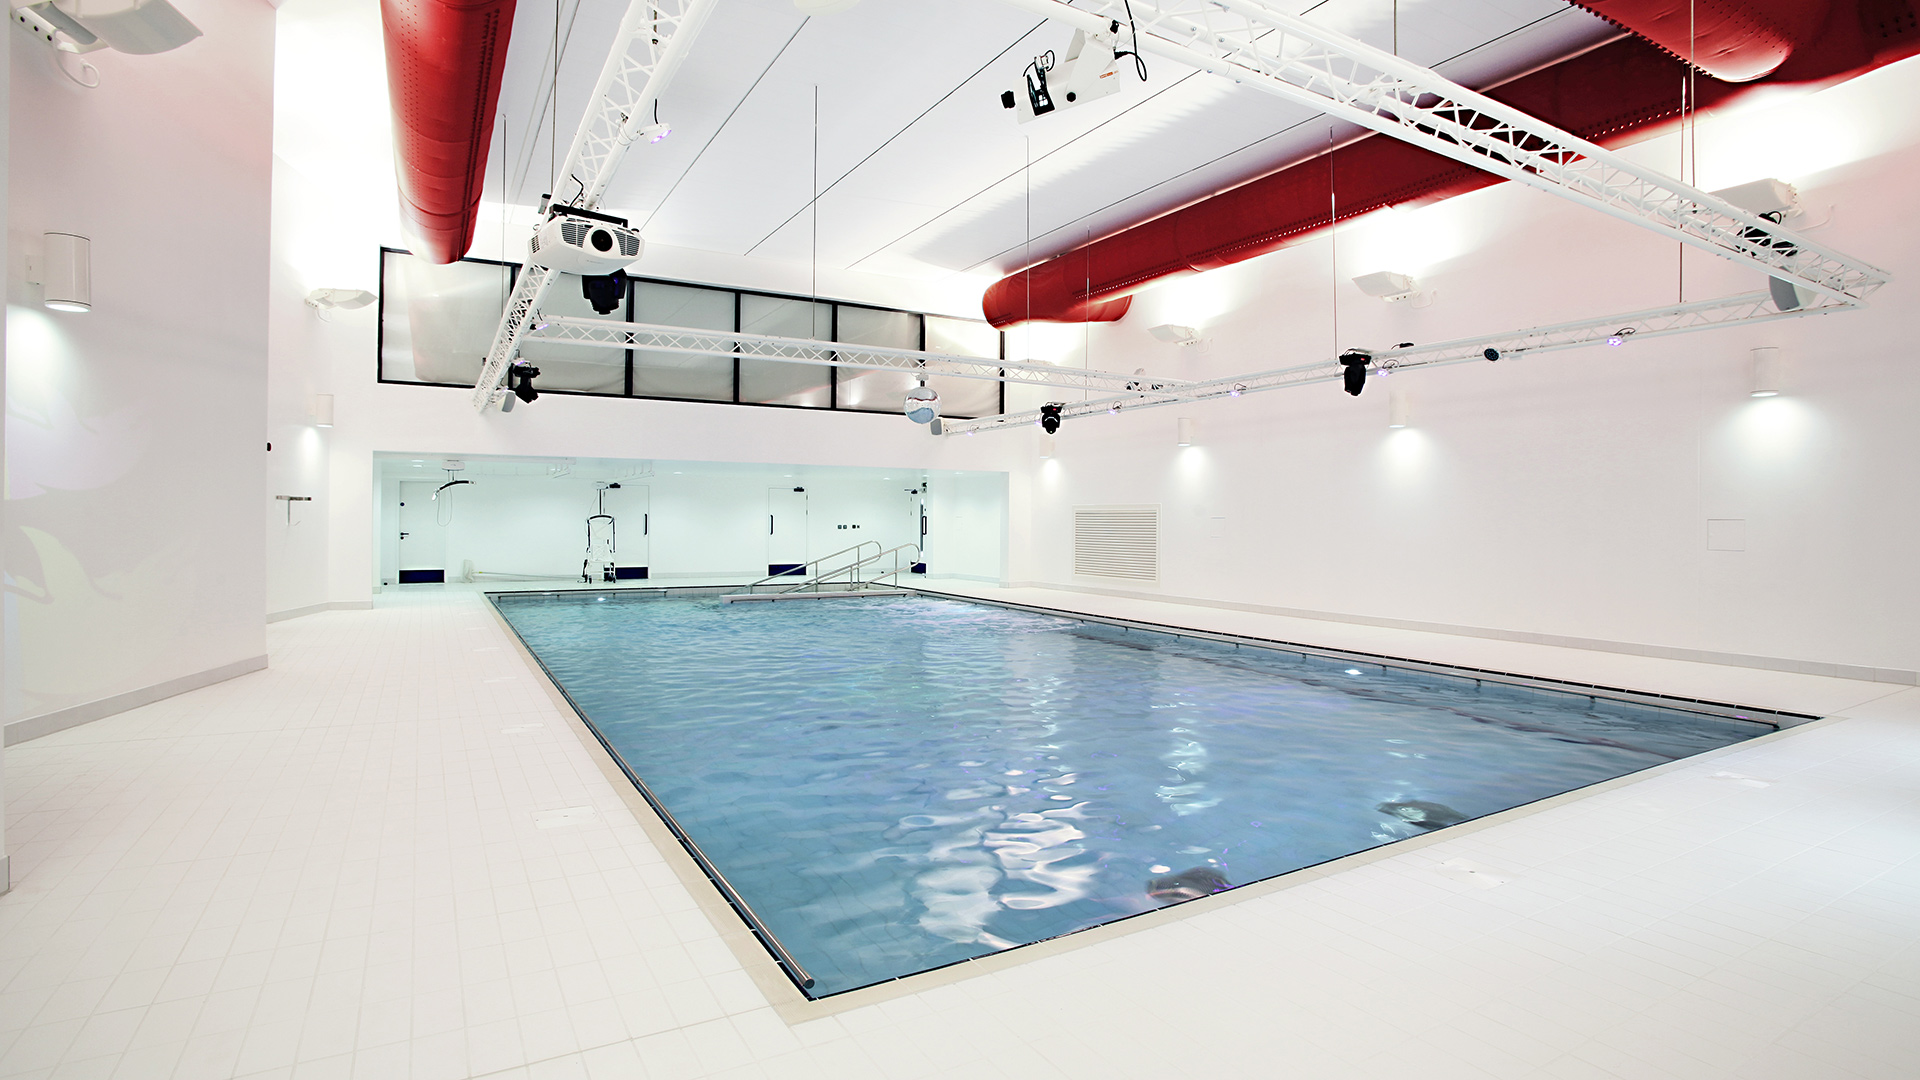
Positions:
{"x": 344, "y": 866}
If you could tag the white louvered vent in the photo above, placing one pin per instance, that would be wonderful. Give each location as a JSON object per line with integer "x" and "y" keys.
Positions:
{"x": 1117, "y": 542}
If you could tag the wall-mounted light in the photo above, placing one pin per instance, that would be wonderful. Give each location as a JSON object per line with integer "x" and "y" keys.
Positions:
{"x": 323, "y": 410}
{"x": 345, "y": 299}
{"x": 1184, "y": 427}
{"x": 1399, "y": 411}
{"x": 1175, "y": 333}
{"x": 1387, "y": 285}
{"x": 66, "y": 272}
{"x": 1766, "y": 372}
{"x": 1046, "y": 445}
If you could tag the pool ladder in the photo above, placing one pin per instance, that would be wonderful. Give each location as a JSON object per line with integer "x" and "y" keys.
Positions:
{"x": 852, "y": 576}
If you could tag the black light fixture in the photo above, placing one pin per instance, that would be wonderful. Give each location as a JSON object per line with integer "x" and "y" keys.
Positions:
{"x": 1355, "y": 378}
{"x": 520, "y": 380}
{"x": 1050, "y": 417}
{"x": 604, "y": 291}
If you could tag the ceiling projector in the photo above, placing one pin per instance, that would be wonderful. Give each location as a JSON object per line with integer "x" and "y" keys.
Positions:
{"x": 574, "y": 243}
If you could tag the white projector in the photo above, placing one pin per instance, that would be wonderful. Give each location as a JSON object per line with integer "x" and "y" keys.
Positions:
{"x": 578, "y": 245}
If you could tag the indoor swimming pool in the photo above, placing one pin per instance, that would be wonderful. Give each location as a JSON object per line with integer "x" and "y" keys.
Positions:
{"x": 891, "y": 785}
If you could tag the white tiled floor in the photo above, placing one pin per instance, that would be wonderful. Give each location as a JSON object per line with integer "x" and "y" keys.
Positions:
{"x": 341, "y": 866}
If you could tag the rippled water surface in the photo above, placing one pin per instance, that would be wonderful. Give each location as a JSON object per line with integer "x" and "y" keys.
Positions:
{"x": 898, "y": 784}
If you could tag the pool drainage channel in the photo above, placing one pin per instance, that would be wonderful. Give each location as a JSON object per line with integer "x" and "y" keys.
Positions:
{"x": 1775, "y": 718}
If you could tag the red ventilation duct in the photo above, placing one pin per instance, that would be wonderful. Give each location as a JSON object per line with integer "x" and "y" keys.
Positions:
{"x": 1619, "y": 93}
{"x": 444, "y": 59}
{"x": 1731, "y": 41}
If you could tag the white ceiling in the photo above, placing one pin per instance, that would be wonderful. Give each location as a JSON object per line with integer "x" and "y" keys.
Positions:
{"x": 921, "y": 173}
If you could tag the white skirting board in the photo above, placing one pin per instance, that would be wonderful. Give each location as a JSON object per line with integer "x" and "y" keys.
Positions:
{"x": 33, "y": 727}
{"x": 315, "y": 609}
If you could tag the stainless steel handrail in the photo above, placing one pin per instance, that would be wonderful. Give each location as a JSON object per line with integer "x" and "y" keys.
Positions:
{"x": 770, "y": 579}
{"x": 818, "y": 579}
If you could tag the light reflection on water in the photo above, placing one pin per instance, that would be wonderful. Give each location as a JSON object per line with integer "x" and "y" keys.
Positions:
{"x": 900, "y": 784}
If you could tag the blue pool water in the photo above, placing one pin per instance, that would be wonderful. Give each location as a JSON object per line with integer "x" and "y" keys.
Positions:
{"x": 898, "y": 784}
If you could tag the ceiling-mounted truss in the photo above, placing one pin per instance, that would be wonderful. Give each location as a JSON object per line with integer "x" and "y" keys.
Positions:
{"x": 653, "y": 39}
{"x": 602, "y": 333}
{"x": 1618, "y": 330}
{"x": 1254, "y": 43}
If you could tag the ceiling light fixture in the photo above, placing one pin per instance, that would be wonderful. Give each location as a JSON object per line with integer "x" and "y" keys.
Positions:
{"x": 1175, "y": 333}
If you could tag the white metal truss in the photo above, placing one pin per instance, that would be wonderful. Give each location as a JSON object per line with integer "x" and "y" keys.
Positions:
{"x": 1617, "y": 330}
{"x": 603, "y": 333}
{"x": 1254, "y": 43}
{"x": 652, "y": 41}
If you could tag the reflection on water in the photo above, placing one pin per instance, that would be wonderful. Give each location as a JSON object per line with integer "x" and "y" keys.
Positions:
{"x": 899, "y": 784}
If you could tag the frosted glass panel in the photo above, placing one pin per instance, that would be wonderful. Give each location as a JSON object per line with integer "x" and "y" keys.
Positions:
{"x": 574, "y": 367}
{"x": 876, "y": 391}
{"x": 964, "y": 337}
{"x": 775, "y": 383}
{"x": 437, "y": 322}
{"x": 658, "y": 374}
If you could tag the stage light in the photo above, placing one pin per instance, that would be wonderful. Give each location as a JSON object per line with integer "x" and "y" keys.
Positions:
{"x": 1050, "y": 417}
{"x": 604, "y": 291}
{"x": 520, "y": 380}
{"x": 1355, "y": 377}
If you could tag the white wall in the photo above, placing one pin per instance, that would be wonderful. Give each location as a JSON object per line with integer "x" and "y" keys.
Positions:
{"x": 967, "y": 534}
{"x": 703, "y": 521}
{"x": 1564, "y": 495}
{"x": 136, "y": 441}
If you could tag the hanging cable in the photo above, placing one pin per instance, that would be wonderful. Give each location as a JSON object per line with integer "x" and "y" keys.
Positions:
{"x": 1139, "y": 62}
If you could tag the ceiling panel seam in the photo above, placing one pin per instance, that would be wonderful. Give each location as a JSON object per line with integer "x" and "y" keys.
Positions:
{"x": 961, "y": 85}
{"x": 543, "y": 108}
{"x": 711, "y": 139}
{"x": 1162, "y": 183}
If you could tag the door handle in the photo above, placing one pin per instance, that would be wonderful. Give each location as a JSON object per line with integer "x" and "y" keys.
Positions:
{"x": 769, "y": 524}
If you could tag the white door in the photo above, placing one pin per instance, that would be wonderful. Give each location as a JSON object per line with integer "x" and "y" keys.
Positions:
{"x": 629, "y": 506}
{"x": 423, "y": 543}
{"x": 786, "y": 530}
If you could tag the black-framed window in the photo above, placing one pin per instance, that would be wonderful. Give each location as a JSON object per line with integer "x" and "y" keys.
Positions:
{"x": 437, "y": 322}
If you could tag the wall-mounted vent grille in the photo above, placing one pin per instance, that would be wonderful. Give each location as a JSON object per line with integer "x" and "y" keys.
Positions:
{"x": 1117, "y": 542}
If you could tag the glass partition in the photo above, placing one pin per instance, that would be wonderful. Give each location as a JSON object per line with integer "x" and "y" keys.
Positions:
{"x": 437, "y": 323}
{"x": 770, "y": 382}
{"x": 677, "y": 375}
